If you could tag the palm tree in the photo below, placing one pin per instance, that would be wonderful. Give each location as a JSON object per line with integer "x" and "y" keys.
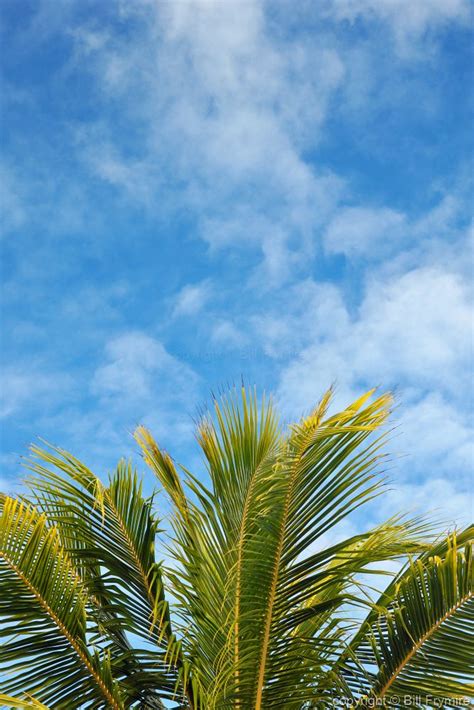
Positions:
{"x": 259, "y": 603}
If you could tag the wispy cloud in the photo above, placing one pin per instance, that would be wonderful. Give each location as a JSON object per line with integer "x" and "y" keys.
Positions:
{"x": 139, "y": 368}
{"x": 31, "y": 387}
{"x": 365, "y": 231}
{"x": 375, "y": 233}
{"x": 408, "y": 330}
{"x": 409, "y": 21}
{"x": 228, "y": 112}
{"x": 280, "y": 187}
{"x": 192, "y": 298}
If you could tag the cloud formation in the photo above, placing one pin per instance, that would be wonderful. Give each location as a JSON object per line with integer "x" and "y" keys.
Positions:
{"x": 191, "y": 299}
{"x": 196, "y": 191}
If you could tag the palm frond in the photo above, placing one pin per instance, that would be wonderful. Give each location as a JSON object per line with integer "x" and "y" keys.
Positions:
{"x": 109, "y": 531}
{"x": 27, "y": 702}
{"x": 421, "y": 643}
{"x": 43, "y": 612}
{"x": 265, "y": 597}
{"x": 207, "y": 524}
{"x": 321, "y": 474}
{"x": 271, "y": 498}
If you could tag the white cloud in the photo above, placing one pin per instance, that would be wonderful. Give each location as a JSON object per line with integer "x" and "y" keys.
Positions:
{"x": 304, "y": 313}
{"x": 442, "y": 431}
{"x": 416, "y": 326}
{"x": 438, "y": 496}
{"x": 441, "y": 219}
{"x": 357, "y": 231}
{"x": 409, "y": 20}
{"x": 140, "y": 382}
{"x": 133, "y": 175}
{"x": 222, "y": 110}
{"x": 30, "y": 385}
{"x": 139, "y": 368}
{"x": 411, "y": 329}
{"x": 225, "y": 112}
{"x": 412, "y": 333}
{"x": 376, "y": 233}
{"x": 225, "y": 333}
{"x": 192, "y": 298}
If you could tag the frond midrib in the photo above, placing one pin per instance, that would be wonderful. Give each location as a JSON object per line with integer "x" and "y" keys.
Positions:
{"x": 151, "y": 597}
{"x": 276, "y": 569}
{"x": 132, "y": 549}
{"x": 416, "y": 647}
{"x": 57, "y": 621}
{"x": 240, "y": 545}
{"x": 271, "y": 603}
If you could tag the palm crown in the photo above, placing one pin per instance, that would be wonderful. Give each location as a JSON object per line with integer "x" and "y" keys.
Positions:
{"x": 259, "y": 603}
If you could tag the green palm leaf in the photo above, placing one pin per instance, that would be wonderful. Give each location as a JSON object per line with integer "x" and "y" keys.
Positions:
{"x": 27, "y": 702}
{"x": 321, "y": 473}
{"x": 271, "y": 498}
{"x": 265, "y": 595}
{"x": 43, "y": 612}
{"x": 109, "y": 532}
{"x": 422, "y": 644}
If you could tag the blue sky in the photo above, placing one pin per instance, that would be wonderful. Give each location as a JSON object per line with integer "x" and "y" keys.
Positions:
{"x": 193, "y": 192}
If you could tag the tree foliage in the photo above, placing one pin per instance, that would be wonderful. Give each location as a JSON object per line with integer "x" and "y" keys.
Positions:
{"x": 259, "y": 602}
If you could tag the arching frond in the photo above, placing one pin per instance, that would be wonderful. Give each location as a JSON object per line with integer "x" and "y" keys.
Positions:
{"x": 43, "y": 612}
{"x": 27, "y": 702}
{"x": 208, "y": 523}
{"x": 265, "y": 594}
{"x": 421, "y": 642}
{"x": 321, "y": 474}
{"x": 248, "y": 564}
{"x": 109, "y": 532}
